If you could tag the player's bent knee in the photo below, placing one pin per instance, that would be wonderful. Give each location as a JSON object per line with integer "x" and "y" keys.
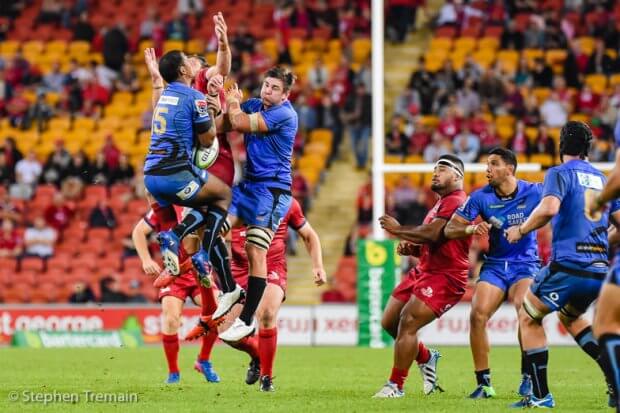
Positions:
{"x": 171, "y": 323}
{"x": 258, "y": 238}
{"x": 478, "y": 318}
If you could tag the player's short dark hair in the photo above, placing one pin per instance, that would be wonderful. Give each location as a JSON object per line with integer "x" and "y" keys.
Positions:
{"x": 575, "y": 139}
{"x": 454, "y": 160}
{"x": 170, "y": 65}
{"x": 507, "y": 156}
{"x": 286, "y": 76}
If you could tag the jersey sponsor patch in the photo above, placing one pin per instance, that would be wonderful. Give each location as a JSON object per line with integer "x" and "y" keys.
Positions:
{"x": 590, "y": 181}
{"x": 189, "y": 191}
{"x": 169, "y": 100}
{"x": 588, "y": 247}
{"x": 201, "y": 106}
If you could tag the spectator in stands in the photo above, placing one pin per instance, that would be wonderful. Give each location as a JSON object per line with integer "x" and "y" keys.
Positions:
{"x": 94, "y": 97}
{"x": 112, "y": 153}
{"x": 17, "y": 111}
{"x": 128, "y": 80}
{"x": 511, "y": 37}
{"x": 7, "y": 174}
{"x": 599, "y": 61}
{"x": 446, "y": 82}
{"x": 542, "y": 75}
{"x": 364, "y": 204}
{"x": 11, "y": 244}
{"x": 40, "y": 112}
{"x": 364, "y": 74}
{"x": 466, "y": 145}
{"x": 148, "y": 24}
{"x": 111, "y": 290}
{"x": 301, "y": 189}
{"x": 260, "y": 60}
{"x": 54, "y": 81}
{"x": 419, "y": 138}
{"x": 421, "y": 80}
{"x": 328, "y": 117}
{"x": 306, "y": 112}
{"x": 553, "y": 112}
{"x": 534, "y": 35}
{"x": 82, "y": 294}
{"x": 468, "y": 99}
{"x": 491, "y": 88}
{"x": 513, "y": 102}
{"x": 57, "y": 165}
{"x": 242, "y": 42}
{"x": 40, "y": 239}
{"x": 438, "y": 146}
{"x": 6, "y": 91}
{"x": 77, "y": 176}
{"x": 124, "y": 173}
{"x": 396, "y": 142}
{"x": 115, "y": 47}
{"x": 519, "y": 143}
{"x": 99, "y": 170}
{"x": 470, "y": 70}
{"x": 177, "y": 28}
{"x": 531, "y": 114}
{"x": 102, "y": 216}
{"x": 544, "y": 143}
{"x": 8, "y": 210}
{"x": 523, "y": 75}
{"x": 575, "y": 65}
{"x": 83, "y": 30}
{"x": 403, "y": 196}
{"x": 489, "y": 138}
{"x": 135, "y": 294}
{"x": 318, "y": 75}
{"x": 448, "y": 14}
{"x": 407, "y": 104}
{"x": 195, "y": 7}
{"x": 27, "y": 173}
{"x": 358, "y": 118}
{"x": 58, "y": 215}
{"x": 50, "y": 12}
{"x": 554, "y": 36}
{"x": 588, "y": 101}
{"x": 450, "y": 124}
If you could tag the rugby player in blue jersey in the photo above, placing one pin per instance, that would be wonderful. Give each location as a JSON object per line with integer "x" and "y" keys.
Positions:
{"x": 508, "y": 269}
{"x": 573, "y": 279}
{"x": 263, "y": 198}
{"x": 607, "y": 318}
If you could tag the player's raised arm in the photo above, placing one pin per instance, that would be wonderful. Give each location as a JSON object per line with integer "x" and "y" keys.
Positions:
{"x": 157, "y": 81}
{"x": 139, "y": 236}
{"x": 459, "y": 227}
{"x": 313, "y": 246}
{"x": 224, "y": 56}
{"x": 421, "y": 234}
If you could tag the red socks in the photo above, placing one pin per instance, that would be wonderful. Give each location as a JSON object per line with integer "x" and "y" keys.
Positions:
{"x": 209, "y": 305}
{"x": 248, "y": 345}
{"x": 423, "y": 354}
{"x": 208, "y": 340}
{"x": 171, "y": 348}
{"x": 267, "y": 344}
{"x": 398, "y": 377}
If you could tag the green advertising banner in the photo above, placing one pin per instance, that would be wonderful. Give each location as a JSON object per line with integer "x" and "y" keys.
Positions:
{"x": 378, "y": 272}
{"x": 50, "y": 339}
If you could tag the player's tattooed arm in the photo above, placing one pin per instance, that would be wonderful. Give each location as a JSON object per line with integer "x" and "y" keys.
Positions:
{"x": 459, "y": 227}
{"x": 548, "y": 207}
{"x": 421, "y": 234}
{"x": 139, "y": 236}
{"x": 313, "y": 246}
{"x": 156, "y": 80}
{"x": 241, "y": 121}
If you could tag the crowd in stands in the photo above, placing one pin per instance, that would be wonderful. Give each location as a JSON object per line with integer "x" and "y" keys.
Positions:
{"x": 75, "y": 119}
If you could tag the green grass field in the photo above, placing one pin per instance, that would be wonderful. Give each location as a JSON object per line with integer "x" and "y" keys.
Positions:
{"x": 307, "y": 379}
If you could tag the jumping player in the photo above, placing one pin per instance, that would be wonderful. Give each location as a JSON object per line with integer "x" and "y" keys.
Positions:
{"x": 508, "y": 268}
{"x": 173, "y": 297}
{"x": 435, "y": 285}
{"x": 573, "y": 279}
{"x": 261, "y": 201}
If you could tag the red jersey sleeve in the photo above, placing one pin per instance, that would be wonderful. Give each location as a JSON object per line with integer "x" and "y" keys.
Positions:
{"x": 201, "y": 81}
{"x": 449, "y": 204}
{"x": 296, "y": 218}
{"x": 151, "y": 219}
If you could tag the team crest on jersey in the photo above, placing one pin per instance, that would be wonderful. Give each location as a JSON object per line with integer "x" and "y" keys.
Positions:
{"x": 201, "y": 106}
{"x": 189, "y": 190}
{"x": 590, "y": 181}
{"x": 427, "y": 292}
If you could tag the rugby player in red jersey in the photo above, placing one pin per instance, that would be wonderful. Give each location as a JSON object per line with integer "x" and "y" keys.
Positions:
{"x": 173, "y": 296}
{"x": 435, "y": 285}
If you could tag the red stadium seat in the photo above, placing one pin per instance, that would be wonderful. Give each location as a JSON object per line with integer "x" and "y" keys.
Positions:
{"x": 101, "y": 234}
{"x": 32, "y": 264}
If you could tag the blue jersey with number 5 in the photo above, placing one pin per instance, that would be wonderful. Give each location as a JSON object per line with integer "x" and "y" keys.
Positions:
{"x": 578, "y": 242}
{"x": 178, "y": 110}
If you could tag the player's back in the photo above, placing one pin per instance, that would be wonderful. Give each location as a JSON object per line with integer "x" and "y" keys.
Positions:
{"x": 269, "y": 154}
{"x": 578, "y": 242}
{"x": 172, "y": 132}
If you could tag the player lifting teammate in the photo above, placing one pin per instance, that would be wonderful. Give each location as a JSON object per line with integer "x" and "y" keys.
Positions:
{"x": 434, "y": 286}
{"x": 508, "y": 268}
{"x": 573, "y": 279}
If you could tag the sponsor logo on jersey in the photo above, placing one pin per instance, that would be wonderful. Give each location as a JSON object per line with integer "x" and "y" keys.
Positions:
{"x": 496, "y": 206}
{"x": 169, "y": 100}
{"x": 188, "y": 191}
{"x": 590, "y": 180}
{"x": 427, "y": 292}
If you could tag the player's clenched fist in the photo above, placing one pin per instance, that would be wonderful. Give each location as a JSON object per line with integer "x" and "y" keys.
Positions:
{"x": 481, "y": 228}
{"x": 233, "y": 93}
{"x": 410, "y": 249}
{"x": 513, "y": 234}
{"x": 389, "y": 223}
{"x": 150, "y": 267}
{"x": 215, "y": 84}
{"x": 319, "y": 276}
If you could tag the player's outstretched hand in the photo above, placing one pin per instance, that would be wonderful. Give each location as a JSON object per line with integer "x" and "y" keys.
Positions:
{"x": 221, "y": 29}
{"x": 215, "y": 84}
{"x": 482, "y": 228}
{"x": 320, "y": 277}
{"x": 513, "y": 234}
{"x": 389, "y": 223}
{"x": 592, "y": 208}
{"x": 233, "y": 93}
{"x": 150, "y": 58}
{"x": 150, "y": 267}
{"x": 214, "y": 103}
